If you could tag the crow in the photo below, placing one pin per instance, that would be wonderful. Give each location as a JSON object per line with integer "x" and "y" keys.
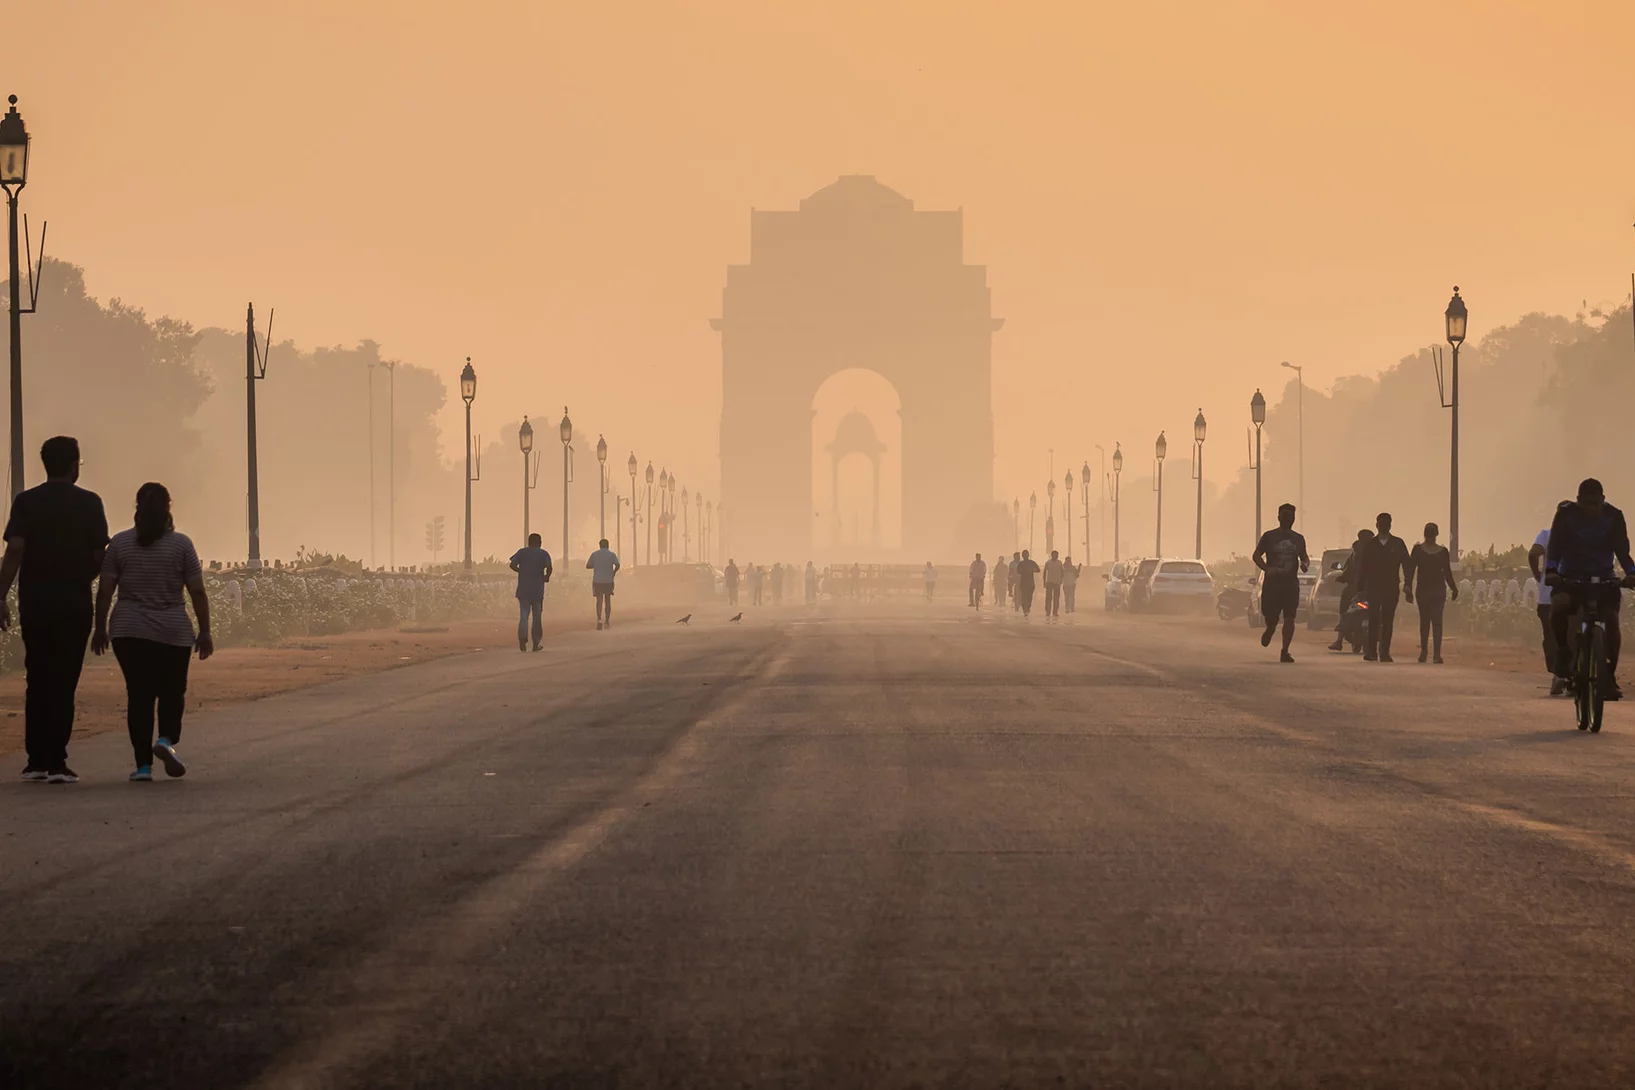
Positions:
{"x": 685, "y": 619}
{"x": 736, "y": 619}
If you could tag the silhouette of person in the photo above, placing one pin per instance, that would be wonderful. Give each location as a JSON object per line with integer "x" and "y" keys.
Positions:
{"x": 1053, "y": 585}
{"x": 533, "y": 567}
{"x": 1434, "y": 566}
{"x": 603, "y": 565}
{"x": 1281, "y": 555}
{"x": 979, "y": 579}
{"x": 930, "y": 581}
{"x": 1016, "y": 561}
{"x": 811, "y": 582}
{"x": 1350, "y": 586}
{"x": 777, "y": 584}
{"x": 1001, "y": 580}
{"x": 857, "y": 580}
{"x": 1026, "y": 569}
{"x": 1383, "y": 563}
{"x": 1070, "y": 584}
{"x": 730, "y": 578}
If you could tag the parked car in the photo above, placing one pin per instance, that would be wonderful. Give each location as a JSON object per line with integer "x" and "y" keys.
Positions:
{"x": 1116, "y": 595}
{"x": 1172, "y": 585}
{"x": 1323, "y": 609}
{"x": 1135, "y": 595}
{"x": 1308, "y": 584}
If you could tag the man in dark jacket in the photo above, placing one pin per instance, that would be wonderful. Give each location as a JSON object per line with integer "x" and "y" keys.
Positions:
{"x": 1350, "y": 587}
{"x": 1585, "y": 538}
{"x": 1383, "y": 562}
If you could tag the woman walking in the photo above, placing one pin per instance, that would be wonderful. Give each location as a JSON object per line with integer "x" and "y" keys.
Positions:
{"x": 152, "y": 637}
{"x": 1431, "y": 564}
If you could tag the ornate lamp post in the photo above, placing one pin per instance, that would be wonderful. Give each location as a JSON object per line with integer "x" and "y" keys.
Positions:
{"x": 1050, "y": 514}
{"x": 1084, "y": 483}
{"x": 686, "y": 527}
{"x": 698, "y": 513}
{"x": 601, "y": 461}
{"x": 1068, "y": 514}
{"x": 635, "y": 553}
{"x": 1033, "y": 506}
{"x": 1016, "y": 524}
{"x": 1455, "y": 316}
{"x": 1118, "y": 470}
{"x": 1257, "y": 414}
{"x": 530, "y": 473}
{"x": 1199, "y": 427}
{"x": 1159, "y": 449}
{"x": 670, "y": 525}
{"x": 649, "y": 512}
{"x": 13, "y": 176}
{"x": 566, "y": 430}
{"x": 468, "y": 394}
{"x": 664, "y": 511}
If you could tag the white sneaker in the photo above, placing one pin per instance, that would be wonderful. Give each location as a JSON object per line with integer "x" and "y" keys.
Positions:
{"x": 164, "y": 751}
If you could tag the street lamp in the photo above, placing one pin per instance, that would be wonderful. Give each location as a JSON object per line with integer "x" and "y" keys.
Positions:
{"x": 1068, "y": 515}
{"x": 1455, "y": 317}
{"x": 1159, "y": 449}
{"x": 709, "y": 527}
{"x": 468, "y": 394}
{"x": 698, "y": 504}
{"x": 13, "y": 176}
{"x": 530, "y": 474}
{"x": 1300, "y": 381}
{"x": 1118, "y": 471}
{"x": 664, "y": 508}
{"x": 686, "y": 528}
{"x": 566, "y": 430}
{"x": 1016, "y": 524}
{"x": 1033, "y": 505}
{"x": 635, "y": 553}
{"x": 649, "y": 513}
{"x": 601, "y": 498}
{"x": 1050, "y": 514}
{"x": 670, "y": 524}
{"x": 1257, "y": 413}
{"x": 1084, "y": 483}
{"x": 1199, "y": 427}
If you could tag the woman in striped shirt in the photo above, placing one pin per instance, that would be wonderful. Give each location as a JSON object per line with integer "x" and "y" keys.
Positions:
{"x": 151, "y": 633}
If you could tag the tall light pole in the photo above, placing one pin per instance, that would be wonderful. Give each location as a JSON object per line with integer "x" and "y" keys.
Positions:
{"x": 686, "y": 528}
{"x": 1159, "y": 449}
{"x": 698, "y": 505}
{"x": 255, "y": 369}
{"x": 601, "y": 498}
{"x": 618, "y": 523}
{"x": 530, "y": 473}
{"x": 566, "y": 430}
{"x": 1118, "y": 472}
{"x": 670, "y": 526}
{"x": 1033, "y": 506}
{"x": 1257, "y": 414}
{"x": 369, "y": 368}
{"x": 468, "y": 394}
{"x": 1068, "y": 515}
{"x": 649, "y": 512}
{"x": 1300, "y": 404}
{"x": 1050, "y": 512}
{"x": 1455, "y": 316}
{"x": 1199, "y": 426}
{"x": 1016, "y": 524}
{"x": 635, "y": 553}
{"x": 664, "y": 508}
{"x": 13, "y": 176}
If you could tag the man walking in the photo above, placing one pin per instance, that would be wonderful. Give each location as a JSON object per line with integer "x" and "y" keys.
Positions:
{"x": 1281, "y": 555}
{"x": 1015, "y": 579}
{"x": 533, "y": 567}
{"x": 1070, "y": 584}
{"x": 930, "y": 581}
{"x": 1383, "y": 563}
{"x": 1001, "y": 581}
{"x": 811, "y": 582}
{"x": 979, "y": 579}
{"x": 603, "y": 565}
{"x": 1536, "y": 562}
{"x": 55, "y": 539}
{"x": 730, "y": 578}
{"x": 1053, "y": 586}
{"x": 1026, "y": 568}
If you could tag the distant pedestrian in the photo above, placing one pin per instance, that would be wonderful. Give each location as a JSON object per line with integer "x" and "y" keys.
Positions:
{"x": 603, "y": 565}
{"x": 979, "y": 579}
{"x": 811, "y": 582}
{"x": 55, "y": 539}
{"x": 1434, "y": 566}
{"x": 1281, "y": 555}
{"x": 152, "y": 636}
{"x": 1001, "y": 580}
{"x": 930, "y": 581}
{"x": 730, "y": 578}
{"x": 1026, "y": 569}
{"x": 1350, "y": 580}
{"x": 857, "y": 580}
{"x": 533, "y": 567}
{"x": 1015, "y": 580}
{"x": 1070, "y": 584}
{"x": 777, "y": 583}
{"x": 1383, "y": 563}
{"x": 1536, "y": 562}
{"x": 757, "y": 577}
{"x": 1053, "y": 585}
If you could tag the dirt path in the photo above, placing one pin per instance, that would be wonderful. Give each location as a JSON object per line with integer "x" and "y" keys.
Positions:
{"x": 236, "y": 674}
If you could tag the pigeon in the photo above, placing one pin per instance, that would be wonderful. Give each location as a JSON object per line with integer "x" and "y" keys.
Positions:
{"x": 736, "y": 619}
{"x": 685, "y": 619}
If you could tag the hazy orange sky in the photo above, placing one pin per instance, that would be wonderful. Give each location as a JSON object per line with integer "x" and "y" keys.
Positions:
{"x": 1170, "y": 198}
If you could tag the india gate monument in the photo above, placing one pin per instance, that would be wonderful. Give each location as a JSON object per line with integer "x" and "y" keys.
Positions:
{"x": 856, "y": 278}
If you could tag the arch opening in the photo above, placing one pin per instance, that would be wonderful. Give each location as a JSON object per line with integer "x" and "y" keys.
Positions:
{"x": 857, "y": 466}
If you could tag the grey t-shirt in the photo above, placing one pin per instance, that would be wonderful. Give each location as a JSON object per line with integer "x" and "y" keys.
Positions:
{"x": 151, "y": 579}
{"x": 532, "y": 563}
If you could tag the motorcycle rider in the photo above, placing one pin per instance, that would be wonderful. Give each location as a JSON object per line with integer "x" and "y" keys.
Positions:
{"x": 1588, "y": 534}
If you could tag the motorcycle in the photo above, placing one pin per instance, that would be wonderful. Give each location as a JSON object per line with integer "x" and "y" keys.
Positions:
{"x": 1354, "y": 626}
{"x": 1232, "y": 603}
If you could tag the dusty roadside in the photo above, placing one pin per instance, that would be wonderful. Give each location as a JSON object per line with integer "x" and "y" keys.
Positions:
{"x": 237, "y": 674}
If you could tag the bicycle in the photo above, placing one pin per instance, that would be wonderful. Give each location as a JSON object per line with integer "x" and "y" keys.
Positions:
{"x": 1590, "y": 674}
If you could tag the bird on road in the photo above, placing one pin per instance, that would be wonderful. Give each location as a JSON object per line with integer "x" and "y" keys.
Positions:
{"x": 685, "y": 619}
{"x": 736, "y": 619}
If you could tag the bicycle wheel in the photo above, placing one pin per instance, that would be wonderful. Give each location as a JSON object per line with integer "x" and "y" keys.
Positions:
{"x": 1598, "y": 665}
{"x": 1583, "y": 681}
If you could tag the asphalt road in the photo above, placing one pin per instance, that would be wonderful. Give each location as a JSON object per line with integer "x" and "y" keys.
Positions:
{"x": 841, "y": 847}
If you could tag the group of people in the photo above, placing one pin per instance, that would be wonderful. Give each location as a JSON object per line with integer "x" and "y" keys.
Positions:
{"x": 57, "y": 546}
{"x": 534, "y": 569}
{"x": 762, "y": 581}
{"x": 1017, "y": 579}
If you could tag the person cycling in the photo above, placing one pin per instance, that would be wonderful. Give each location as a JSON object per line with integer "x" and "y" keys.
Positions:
{"x": 1587, "y": 535}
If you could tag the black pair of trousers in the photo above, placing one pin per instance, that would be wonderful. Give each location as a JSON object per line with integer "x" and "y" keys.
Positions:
{"x": 56, "y": 624}
{"x": 1382, "y": 616}
{"x": 1430, "y": 621}
{"x": 1549, "y": 638}
{"x": 155, "y": 673}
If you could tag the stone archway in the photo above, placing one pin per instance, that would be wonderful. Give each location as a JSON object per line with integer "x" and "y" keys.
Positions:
{"x": 855, "y": 435}
{"x": 855, "y": 278}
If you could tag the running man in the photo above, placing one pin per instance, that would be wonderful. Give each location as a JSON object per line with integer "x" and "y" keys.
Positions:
{"x": 533, "y": 567}
{"x": 979, "y": 579}
{"x": 603, "y": 565}
{"x": 1281, "y": 555}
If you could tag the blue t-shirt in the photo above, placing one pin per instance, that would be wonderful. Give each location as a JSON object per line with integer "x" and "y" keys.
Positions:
{"x": 533, "y": 572}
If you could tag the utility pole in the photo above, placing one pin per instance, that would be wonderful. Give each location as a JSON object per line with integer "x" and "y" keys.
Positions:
{"x": 255, "y": 369}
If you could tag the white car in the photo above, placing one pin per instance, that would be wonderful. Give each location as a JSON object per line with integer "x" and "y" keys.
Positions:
{"x": 1175, "y": 585}
{"x": 1117, "y": 593}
